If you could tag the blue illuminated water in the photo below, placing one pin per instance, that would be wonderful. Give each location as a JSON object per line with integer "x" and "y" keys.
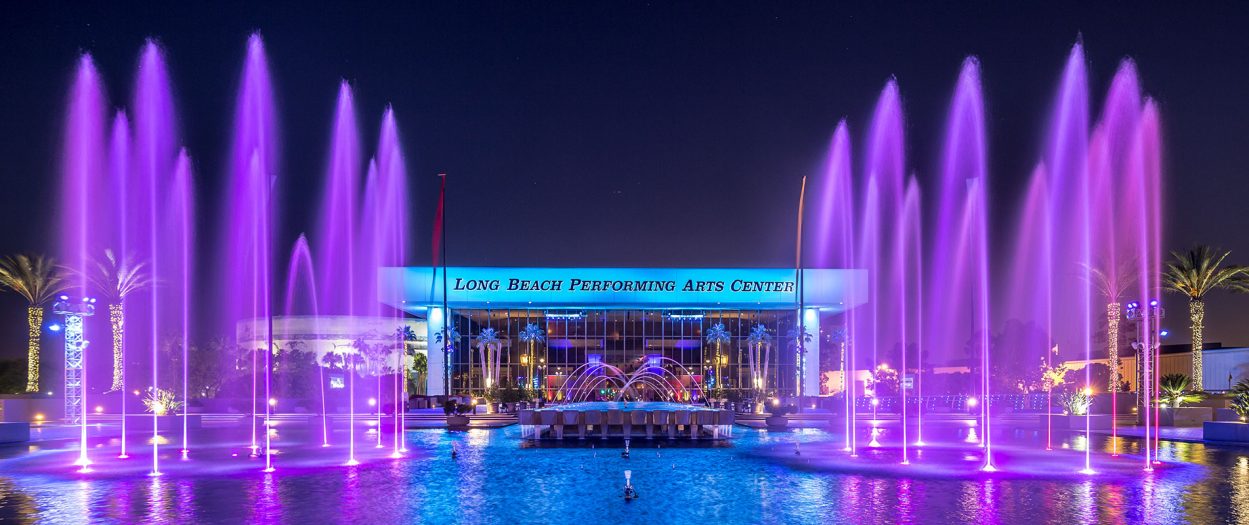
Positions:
{"x": 754, "y": 478}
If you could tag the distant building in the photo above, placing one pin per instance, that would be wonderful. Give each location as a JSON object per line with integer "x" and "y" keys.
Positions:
{"x": 1222, "y": 367}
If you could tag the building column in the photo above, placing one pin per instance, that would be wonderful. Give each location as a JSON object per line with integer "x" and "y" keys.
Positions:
{"x": 811, "y": 361}
{"x": 435, "y": 357}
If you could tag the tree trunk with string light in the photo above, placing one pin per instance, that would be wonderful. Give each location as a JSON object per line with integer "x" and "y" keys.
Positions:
{"x": 117, "y": 321}
{"x": 1197, "y": 316}
{"x": 34, "y": 322}
{"x": 1112, "y": 351}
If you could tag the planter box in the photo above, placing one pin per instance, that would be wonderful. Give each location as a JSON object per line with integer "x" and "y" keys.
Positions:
{"x": 457, "y": 421}
{"x": 1069, "y": 422}
{"x": 1225, "y": 414}
{"x": 777, "y": 422}
{"x": 1225, "y": 432}
{"x": 14, "y": 432}
{"x": 1185, "y": 416}
{"x": 135, "y": 422}
{"x": 1124, "y": 402}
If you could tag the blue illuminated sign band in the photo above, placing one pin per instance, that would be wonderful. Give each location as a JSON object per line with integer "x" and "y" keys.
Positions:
{"x": 420, "y": 287}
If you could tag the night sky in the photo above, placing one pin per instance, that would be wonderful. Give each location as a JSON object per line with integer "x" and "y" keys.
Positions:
{"x": 586, "y": 134}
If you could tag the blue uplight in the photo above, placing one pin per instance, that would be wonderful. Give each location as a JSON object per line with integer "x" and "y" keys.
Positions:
{"x": 54, "y": 327}
{"x": 1164, "y": 333}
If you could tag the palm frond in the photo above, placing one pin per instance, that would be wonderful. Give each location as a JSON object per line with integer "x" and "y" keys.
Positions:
{"x": 35, "y": 277}
{"x": 717, "y": 334}
{"x": 487, "y": 336}
{"x": 115, "y": 278}
{"x": 532, "y": 333}
{"x": 1112, "y": 281}
{"x": 1201, "y": 271}
{"x": 759, "y": 335}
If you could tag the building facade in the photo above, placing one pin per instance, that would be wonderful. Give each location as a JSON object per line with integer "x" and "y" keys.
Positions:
{"x": 733, "y": 329}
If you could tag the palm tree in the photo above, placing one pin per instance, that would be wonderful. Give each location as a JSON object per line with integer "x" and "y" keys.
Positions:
{"x": 448, "y": 337}
{"x": 420, "y": 367}
{"x": 1195, "y": 274}
{"x": 531, "y": 334}
{"x": 800, "y": 338}
{"x": 38, "y": 279}
{"x": 1112, "y": 283}
{"x": 489, "y": 346}
{"x": 116, "y": 279}
{"x": 414, "y": 377}
{"x": 759, "y": 353}
{"x": 718, "y": 335}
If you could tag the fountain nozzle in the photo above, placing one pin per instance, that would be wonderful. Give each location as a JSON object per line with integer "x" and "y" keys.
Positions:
{"x": 629, "y": 493}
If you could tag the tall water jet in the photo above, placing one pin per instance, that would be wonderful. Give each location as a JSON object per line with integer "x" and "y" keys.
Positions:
{"x": 885, "y": 172}
{"x": 155, "y": 154}
{"x": 84, "y": 175}
{"x": 1114, "y": 253}
{"x": 907, "y": 246}
{"x": 302, "y": 300}
{"x": 958, "y": 306}
{"x": 249, "y": 207}
{"x": 389, "y": 242}
{"x": 119, "y": 173}
{"x": 182, "y": 217}
{"x": 1030, "y": 282}
{"x": 1144, "y": 198}
{"x": 337, "y": 247}
{"x": 336, "y": 238}
{"x": 835, "y": 239}
{"x": 1066, "y": 160}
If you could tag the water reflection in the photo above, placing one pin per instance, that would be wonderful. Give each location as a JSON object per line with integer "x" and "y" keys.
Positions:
{"x": 497, "y": 479}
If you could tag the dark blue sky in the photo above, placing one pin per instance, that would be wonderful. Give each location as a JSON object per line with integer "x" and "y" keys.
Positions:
{"x": 581, "y": 133}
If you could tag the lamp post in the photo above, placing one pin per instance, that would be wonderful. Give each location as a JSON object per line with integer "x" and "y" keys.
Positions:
{"x": 75, "y": 373}
{"x": 75, "y": 344}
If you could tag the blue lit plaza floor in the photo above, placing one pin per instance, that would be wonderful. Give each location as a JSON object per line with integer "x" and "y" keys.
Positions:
{"x": 798, "y": 476}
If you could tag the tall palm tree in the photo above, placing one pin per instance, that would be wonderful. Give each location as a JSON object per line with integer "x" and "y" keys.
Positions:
{"x": 449, "y": 337}
{"x": 490, "y": 347}
{"x": 38, "y": 279}
{"x": 718, "y": 335}
{"x": 760, "y": 350}
{"x": 116, "y": 278}
{"x": 800, "y": 339}
{"x": 532, "y": 334}
{"x": 1195, "y": 274}
{"x": 1111, "y": 284}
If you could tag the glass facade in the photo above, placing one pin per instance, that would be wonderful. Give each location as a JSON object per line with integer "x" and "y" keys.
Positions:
{"x": 625, "y": 339}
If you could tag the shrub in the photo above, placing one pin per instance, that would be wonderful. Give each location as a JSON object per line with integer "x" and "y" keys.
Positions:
{"x": 1240, "y": 398}
{"x": 1075, "y": 403}
{"x": 1174, "y": 392}
{"x": 162, "y": 402}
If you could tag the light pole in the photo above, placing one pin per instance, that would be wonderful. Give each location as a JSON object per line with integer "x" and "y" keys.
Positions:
{"x": 1148, "y": 319}
{"x": 802, "y": 329}
{"x": 75, "y": 373}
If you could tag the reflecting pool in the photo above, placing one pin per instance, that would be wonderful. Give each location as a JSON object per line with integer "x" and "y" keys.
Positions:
{"x": 799, "y": 476}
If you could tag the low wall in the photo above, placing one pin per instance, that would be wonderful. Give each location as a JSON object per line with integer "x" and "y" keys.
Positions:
{"x": 1185, "y": 416}
{"x": 12, "y": 432}
{"x": 25, "y": 408}
{"x": 1225, "y": 432}
{"x": 1069, "y": 422}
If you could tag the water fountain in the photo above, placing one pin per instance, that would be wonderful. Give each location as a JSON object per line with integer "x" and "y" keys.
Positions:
{"x": 1092, "y": 203}
{"x": 939, "y": 294}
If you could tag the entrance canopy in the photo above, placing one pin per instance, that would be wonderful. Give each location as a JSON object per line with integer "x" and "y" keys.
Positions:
{"x": 418, "y": 288}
